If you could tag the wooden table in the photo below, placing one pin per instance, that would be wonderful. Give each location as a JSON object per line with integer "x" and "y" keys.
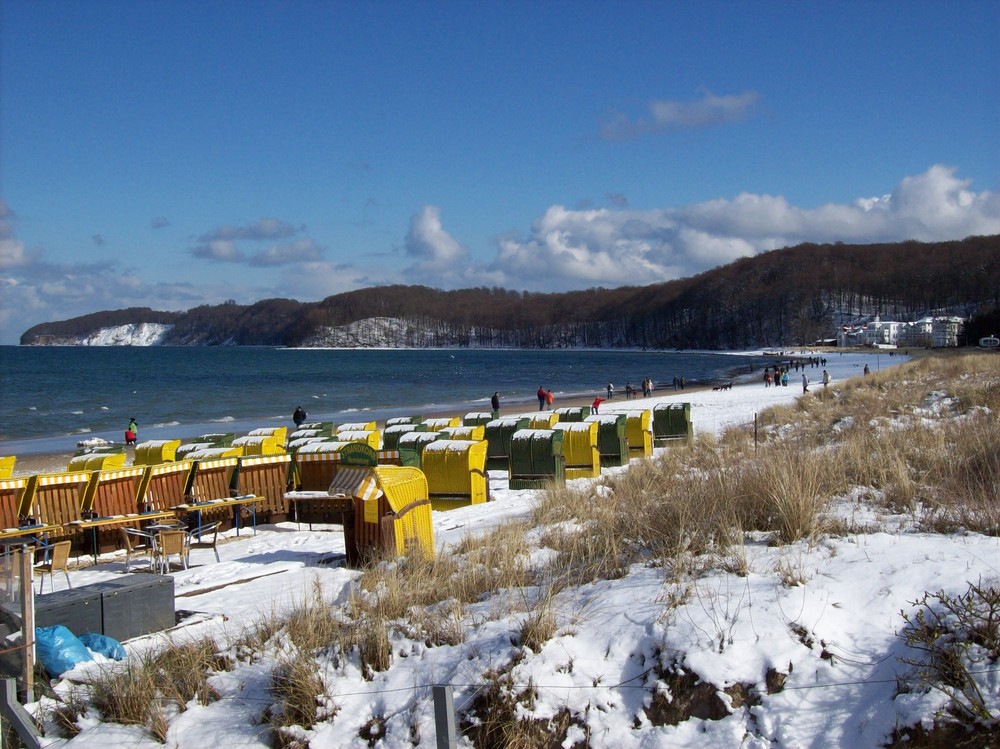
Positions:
{"x": 103, "y": 522}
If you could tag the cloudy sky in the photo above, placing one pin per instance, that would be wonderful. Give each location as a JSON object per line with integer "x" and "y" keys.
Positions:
{"x": 171, "y": 154}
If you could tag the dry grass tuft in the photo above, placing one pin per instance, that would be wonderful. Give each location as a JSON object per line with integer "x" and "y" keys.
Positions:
{"x": 302, "y": 700}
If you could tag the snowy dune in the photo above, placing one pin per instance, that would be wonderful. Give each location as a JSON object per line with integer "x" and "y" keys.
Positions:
{"x": 835, "y": 639}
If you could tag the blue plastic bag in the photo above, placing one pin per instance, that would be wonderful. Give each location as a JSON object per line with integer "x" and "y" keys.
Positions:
{"x": 59, "y": 650}
{"x": 104, "y": 645}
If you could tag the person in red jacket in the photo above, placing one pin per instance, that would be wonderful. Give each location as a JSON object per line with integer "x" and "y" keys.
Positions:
{"x": 597, "y": 403}
{"x": 541, "y": 398}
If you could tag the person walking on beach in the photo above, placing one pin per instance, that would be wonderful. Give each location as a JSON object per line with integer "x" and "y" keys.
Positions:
{"x": 495, "y": 402}
{"x": 611, "y": 390}
{"x": 541, "y": 398}
{"x": 826, "y": 378}
{"x": 132, "y": 432}
{"x": 805, "y": 382}
{"x": 549, "y": 399}
{"x": 298, "y": 416}
{"x": 867, "y": 371}
{"x": 596, "y": 405}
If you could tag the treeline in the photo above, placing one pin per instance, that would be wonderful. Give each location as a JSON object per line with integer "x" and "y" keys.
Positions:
{"x": 789, "y": 296}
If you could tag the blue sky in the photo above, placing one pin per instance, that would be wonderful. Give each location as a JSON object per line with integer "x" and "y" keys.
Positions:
{"x": 171, "y": 154}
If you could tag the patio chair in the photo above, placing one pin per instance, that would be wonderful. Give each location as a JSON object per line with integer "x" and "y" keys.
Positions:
{"x": 204, "y": 537}
{"x": 57, "y": 558}
{"x": 167, "y": 544}
{"x": 137, "y": 543}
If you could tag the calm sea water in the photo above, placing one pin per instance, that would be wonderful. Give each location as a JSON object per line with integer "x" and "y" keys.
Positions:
{"x": 51, "y": 397}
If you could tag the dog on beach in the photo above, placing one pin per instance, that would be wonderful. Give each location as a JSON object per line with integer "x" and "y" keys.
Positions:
{"x": 726, "y": 386}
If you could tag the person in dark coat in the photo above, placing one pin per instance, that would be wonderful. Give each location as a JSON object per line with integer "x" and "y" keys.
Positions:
{"x": 495, "y": 402}
{"x": 299, "y": 416}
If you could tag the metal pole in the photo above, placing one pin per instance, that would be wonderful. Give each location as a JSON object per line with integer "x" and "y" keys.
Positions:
{"x": 444, "y": 716}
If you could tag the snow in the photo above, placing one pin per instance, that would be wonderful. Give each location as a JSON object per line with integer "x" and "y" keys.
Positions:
{"x": 133, "y": 334}
{"x": 835, "y": 637}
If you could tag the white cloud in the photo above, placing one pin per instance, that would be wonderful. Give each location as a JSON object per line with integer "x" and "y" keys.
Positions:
{"x": 429, "y": 243}
{"x": 263, "y": 230}
{"x": 681, "y": 115}
{"x": 220, "y": 250}
{"x": 569, "y": 249}
{"x": 439, "y": 258}
{"x": 563, "y": 249}
{"x": 288, "y": 253}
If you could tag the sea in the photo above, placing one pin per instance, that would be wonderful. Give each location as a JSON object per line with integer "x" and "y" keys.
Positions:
{"x": 52, "y": 397}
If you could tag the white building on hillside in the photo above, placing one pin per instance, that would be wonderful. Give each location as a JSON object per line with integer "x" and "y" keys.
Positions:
{"x": 927, "y": 332}
{"x": 874, "y": 333}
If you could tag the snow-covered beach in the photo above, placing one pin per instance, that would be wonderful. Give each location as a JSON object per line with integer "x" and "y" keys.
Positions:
{"x": 833, "y": 641}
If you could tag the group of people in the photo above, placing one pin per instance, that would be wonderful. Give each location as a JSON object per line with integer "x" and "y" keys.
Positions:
{"x": 545, "y": 399}
{"x": 780, "y": 377}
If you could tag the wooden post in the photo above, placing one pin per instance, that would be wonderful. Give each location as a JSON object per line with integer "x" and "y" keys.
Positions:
{"x": 27, "y": 554}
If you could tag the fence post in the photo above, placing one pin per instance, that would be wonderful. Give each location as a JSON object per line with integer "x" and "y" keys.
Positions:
{"x": 27, "y": 558}
{"x": 444, "y": 716}
{"x": 18, "y": 717}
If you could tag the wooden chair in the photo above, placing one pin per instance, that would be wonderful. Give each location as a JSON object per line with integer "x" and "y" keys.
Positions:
{"x": 57, "y": 555}
{"x": 167, "y": 544}
{"x": 137, "y": 543}
{"x": 204, "y": 537}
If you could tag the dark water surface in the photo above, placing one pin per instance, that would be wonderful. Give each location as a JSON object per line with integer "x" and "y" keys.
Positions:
{"x": 52, "y": 396}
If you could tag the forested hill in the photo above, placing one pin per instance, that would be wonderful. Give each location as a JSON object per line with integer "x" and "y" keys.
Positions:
{"x": 789, "y": 296}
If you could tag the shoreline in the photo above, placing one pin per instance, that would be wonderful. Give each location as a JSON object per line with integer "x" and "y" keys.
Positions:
{"x": 705, "y": 414}
{"x": 55, "y": 461}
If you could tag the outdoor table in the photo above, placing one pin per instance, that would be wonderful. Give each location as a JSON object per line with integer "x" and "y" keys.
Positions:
{"x": 306, "y": 496}
{"x": 103, "y": 522}
{"x": 237, "y": 503}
